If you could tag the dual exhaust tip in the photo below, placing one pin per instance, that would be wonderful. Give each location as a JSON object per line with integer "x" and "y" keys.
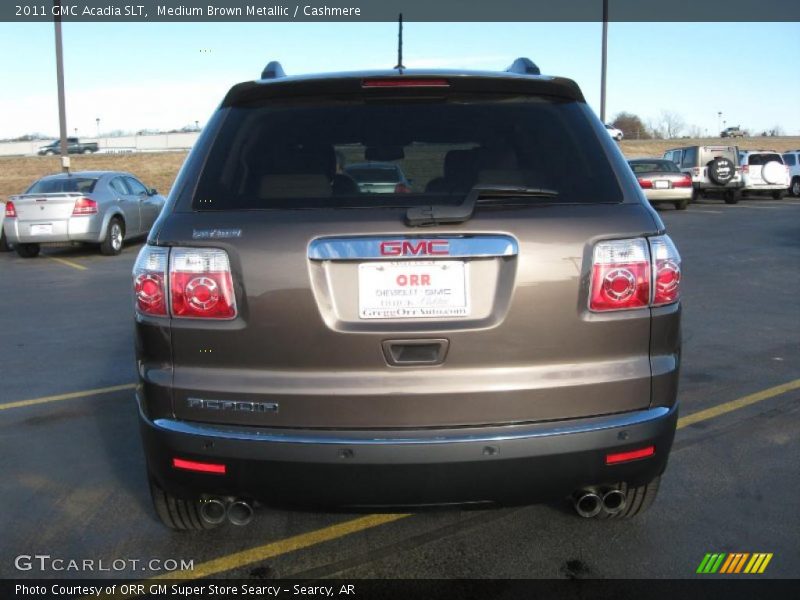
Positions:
{"x": 215, "y": 510}
{"x": 590, "y": 503}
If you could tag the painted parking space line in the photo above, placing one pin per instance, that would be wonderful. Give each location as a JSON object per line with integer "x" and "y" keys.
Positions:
{"x": 244, "y": 558}
{"x": 68, "y": 263}
{"x": 68, "y": 396}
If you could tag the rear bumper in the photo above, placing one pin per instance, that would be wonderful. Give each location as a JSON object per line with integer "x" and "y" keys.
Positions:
{"x": 75, "y": 229}
{"x": 527, "y": 462}
{"x": 670, "y": 195}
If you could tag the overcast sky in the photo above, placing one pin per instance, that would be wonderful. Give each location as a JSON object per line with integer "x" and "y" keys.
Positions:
{"x": 163, "y": 76}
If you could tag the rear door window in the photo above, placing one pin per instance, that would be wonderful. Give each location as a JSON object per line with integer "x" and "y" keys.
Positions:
{"x": 314, "y": 154}
{"x": 689, "y": 157}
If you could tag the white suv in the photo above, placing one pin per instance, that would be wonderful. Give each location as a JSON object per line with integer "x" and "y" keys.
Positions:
{"x": 792, "y": 160}
{"x": 763, "y": 171}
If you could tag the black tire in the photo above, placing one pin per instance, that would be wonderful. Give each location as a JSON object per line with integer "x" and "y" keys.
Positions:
{"x": 87, "y": 151}
{"x": 731, "y": 197}
{"x": 28, "y": 250}
{"x": 4, "y": 247}
{"x": 177, "y": 513}
{"x": 795, "y": 187}
{"x": 778, "y": 195}
{"x": 115, "y": 238}
{"x": 637, "y": 500}
{"x": 682, "y": 204}
{"x": 695, "y": 195}
{"x": 49, "y": 153}
{"x": 721, "y": 171}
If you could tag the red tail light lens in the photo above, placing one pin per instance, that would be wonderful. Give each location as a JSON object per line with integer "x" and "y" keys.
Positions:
{"x": 84, "y": 206}
{"x": 745, "y": 169}
{"x": 684, "y": 182}
{"x": 620, "y": 275}
{"x": 666, "y": 271}
{"x": 402, "y": 188}
{"x": 645, "y": 183}
{"x": 201, "y": 285}
{"x": 402, "y": 82}
{"x": 11, "y": 212}
{"x": 200, "y": 467}
{"x": 149, "y": 281}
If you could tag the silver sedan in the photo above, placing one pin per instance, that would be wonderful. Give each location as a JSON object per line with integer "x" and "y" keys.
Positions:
{"x": 98, "y": 207}
{"x": 662, "y": 181}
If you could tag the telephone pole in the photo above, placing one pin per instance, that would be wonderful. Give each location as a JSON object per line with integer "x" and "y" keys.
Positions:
{"x": 62, "y": 107}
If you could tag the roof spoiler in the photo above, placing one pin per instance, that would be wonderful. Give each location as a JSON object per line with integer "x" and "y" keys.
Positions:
{"x": 524, "y": 66}
{"x": 273, "y": 70}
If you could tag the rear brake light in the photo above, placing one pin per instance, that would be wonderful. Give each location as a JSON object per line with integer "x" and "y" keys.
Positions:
{"x": 666, "y": 271}
{"x": 620, "y": 275}
{"x": 200, "y": 467}
{"x": 201, "y": 285}
{"x": 631, "y": 273}
{"x": 84, "y": 206}
{"x": 149, "y": 281}
{"x": 684, "y": 182}
{"x": 745, "y": 169}
{"x": 11, "y": 212}
{"x": 645, "y": 183}
{"x": 696, "y": 171}
{"x": 402, "y": 188}
{"x": 620, "y": 457}
{"x": 396, "y": 82}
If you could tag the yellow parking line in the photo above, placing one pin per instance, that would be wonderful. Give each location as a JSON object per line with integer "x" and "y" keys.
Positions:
{"x": 726, "y": 407}
{"x": 69, "y": 263}
{"x": 69, "y": 396}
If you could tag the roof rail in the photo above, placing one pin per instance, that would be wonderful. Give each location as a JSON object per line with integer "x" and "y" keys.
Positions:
{"x": 273, "y": 70}
{"x": 523, "y": 66}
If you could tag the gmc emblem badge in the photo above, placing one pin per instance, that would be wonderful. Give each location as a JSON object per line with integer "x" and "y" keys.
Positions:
{"x": 415, "y": 248}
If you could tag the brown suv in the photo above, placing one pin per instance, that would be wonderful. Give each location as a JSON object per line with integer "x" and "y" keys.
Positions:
{"x": 505, "y": 328}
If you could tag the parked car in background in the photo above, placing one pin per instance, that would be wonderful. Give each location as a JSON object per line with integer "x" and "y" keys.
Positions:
{"x": 732, "y": 132}
{"x": 74, "y": 146}
{"x": 379, "y": 178}
{"x": 100, "y": 207}
{"x": 714, "y": 170}
{"x": 614, "y": 132}
{"x": 792, "y": 160}
{"x": 662, "y": 181}
{"x": 511, "y": 333}
{"x": 763, "y": 172}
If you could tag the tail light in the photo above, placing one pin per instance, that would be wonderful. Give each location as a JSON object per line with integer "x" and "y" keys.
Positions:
{"x": 646, "y": 184}
{"x": 745, "y": 169}
{"x": 683, "y": 182}
{"x": 84, "y": 206}
{"x": 620, "y": 275}
{"x": 402, "y": 188}
{"x": 632, "y": 273}
{"x": 11, "y": 212}
{"x": 200, "y": 284}
{"x": 149, "y": 281}
{"x": 666, "y": 271}
{"x": 695, "y": 171}
{"x": 621, "y": 457}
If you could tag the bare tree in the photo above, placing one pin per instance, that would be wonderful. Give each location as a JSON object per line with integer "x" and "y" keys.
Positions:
{"x": 694, "y": 131}
{"x": 655, "y": 129}
{"x": 671, "y": 123}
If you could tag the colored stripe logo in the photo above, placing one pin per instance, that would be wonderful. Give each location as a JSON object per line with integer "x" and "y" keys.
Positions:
{"x": 734, "y": 563}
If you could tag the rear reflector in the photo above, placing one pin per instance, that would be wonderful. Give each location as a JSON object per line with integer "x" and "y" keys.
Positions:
{"x": 621, "y": 457}
{"x": 84, "y": 206}
{"x": 11, "y": 212}
{"x": 200, "y": 467}
{"x": 400, "y": 82}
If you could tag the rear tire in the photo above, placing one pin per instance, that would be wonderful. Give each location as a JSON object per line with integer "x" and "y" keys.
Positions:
{"x": 4, "y": 247}
{"x": 731, "y": 197}
{"x": 27, "y": 250}
{"x": 778, "y": 195}
{"x": 637, "y": 500}
{"x": 682, "y": 204}
{"x": 795, "y": 189}
{"x": 177, "y": 513}
{"x": 87, "y": 151}
{"x": 114, "y": 240}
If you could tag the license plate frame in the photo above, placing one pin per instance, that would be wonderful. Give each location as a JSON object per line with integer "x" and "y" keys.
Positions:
{"x": 661, "y": 184}
{"x": 41, "y": 229}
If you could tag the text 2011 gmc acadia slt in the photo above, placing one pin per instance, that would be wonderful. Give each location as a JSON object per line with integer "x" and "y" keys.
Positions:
{"x": 503, "y": 326}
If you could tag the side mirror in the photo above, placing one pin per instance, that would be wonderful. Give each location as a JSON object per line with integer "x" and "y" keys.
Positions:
{"x": 152, "y": 192}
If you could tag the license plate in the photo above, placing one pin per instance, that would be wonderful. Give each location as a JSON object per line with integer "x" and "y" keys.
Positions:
{"x": 412, "y": 290}
{"x": 661, "y": 185}
{"x": 44, "y": 229}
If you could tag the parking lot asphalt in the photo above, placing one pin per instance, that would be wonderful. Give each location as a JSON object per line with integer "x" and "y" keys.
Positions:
{"x": 73, "y": 472}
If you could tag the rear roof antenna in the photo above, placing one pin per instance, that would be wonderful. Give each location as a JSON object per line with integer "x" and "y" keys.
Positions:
{"x": 399, "y": 66}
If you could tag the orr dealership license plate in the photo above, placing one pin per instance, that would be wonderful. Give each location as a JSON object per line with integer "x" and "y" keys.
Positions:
{"x": 412, "y": 290}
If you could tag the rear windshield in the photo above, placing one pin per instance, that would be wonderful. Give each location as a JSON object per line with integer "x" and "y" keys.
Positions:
{"x": 318, "y": 155}
{"x": 762, "y": 159}
{"x": 84, "y": 185}
{"x": 709, "y": 153}
{"x": 654, "y": 166}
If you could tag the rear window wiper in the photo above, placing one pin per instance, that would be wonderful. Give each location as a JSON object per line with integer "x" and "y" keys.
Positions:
{"x": 441, "y": 214}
